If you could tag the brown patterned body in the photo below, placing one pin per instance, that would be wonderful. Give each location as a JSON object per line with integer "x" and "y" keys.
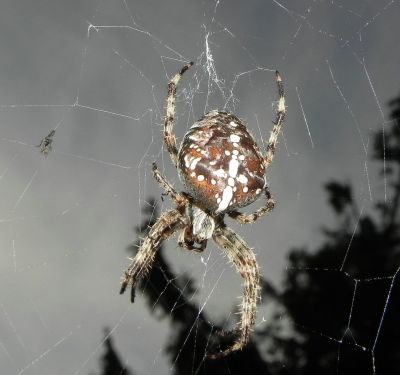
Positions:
{"x": 220, "y": 163}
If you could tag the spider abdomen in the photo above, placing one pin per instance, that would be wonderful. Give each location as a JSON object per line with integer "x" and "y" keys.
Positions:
{"x": 220, "y": 164}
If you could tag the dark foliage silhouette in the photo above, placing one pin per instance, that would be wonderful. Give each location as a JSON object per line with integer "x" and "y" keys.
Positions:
{"x": 110, "y": 362}
{"x": 343, "y": 298}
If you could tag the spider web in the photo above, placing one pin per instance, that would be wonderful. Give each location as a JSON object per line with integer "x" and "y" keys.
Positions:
{"x": 96, "y": 72}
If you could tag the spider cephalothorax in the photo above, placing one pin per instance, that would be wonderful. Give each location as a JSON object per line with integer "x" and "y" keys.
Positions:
{"x": 223, "y": 170}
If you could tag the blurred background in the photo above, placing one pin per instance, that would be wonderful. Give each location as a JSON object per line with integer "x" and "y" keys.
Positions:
{"x": 96, "y": 72}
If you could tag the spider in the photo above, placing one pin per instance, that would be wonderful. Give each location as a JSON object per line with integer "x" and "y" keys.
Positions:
{"x": 223, "y": 170}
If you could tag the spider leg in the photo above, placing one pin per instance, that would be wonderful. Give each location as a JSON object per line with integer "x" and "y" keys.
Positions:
{"x": 163, "y": 228}
{"x": 246, "y": 265}
{"x": 169, "y": 137}
{"x": 179, "y": 199}
{"x": 251, "y": 218}
{"x": 280, "y": 115}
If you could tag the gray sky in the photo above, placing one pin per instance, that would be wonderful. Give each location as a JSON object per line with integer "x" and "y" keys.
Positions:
{"x": 66, "y": 220}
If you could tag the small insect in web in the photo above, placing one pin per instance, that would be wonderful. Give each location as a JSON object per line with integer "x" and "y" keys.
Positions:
{"x": 223, "y": 170}
{"x": 45, "y": 143}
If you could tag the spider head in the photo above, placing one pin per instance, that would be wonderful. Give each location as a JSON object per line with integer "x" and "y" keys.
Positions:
{"x": 220, "y": 164}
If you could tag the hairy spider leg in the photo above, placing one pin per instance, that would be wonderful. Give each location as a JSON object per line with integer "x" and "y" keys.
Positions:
{"x": 251, "y": 218}
{"x": 178, "y": 198}
{"x": 246, "y": 265}
{"x": 169, "y": 136}
{"x": 163, "y": 228}
{"x": 280, "y": 116}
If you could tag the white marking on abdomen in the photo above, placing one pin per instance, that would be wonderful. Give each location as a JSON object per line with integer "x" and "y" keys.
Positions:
{"x": 188, "y": 159}
{"x": 226, "y": 198}
{"x": 243, "y": 179}
{"x": 194, "y": 162}
{"x": 220, "y": 173}
{"x": 233, "y": 167}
